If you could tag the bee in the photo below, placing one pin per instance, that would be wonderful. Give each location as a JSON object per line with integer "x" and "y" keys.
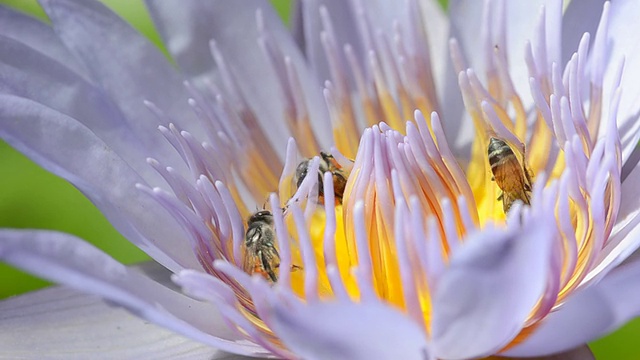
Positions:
{"x": 512, "y": 178}
{"x": 261, "y": 255}
{"x": 327, "y": 164}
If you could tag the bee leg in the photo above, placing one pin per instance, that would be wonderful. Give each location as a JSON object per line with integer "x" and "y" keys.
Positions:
{"x": 267, "y": 267}
{"x": 526, "y": 194}
{"x": 326, "y": 157}
{"x": 293, "y": 267}
{"x": 527, "y": 174}
{"x": 272, "y": 276}
{"x": 500, "y": 197}
{"x": 296, "y": 267}
{"x": 505, "y": 207}
{"x": 524, "y": 165}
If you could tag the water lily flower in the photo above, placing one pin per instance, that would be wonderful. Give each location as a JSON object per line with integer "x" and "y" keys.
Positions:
{"x": 490, "y": 203}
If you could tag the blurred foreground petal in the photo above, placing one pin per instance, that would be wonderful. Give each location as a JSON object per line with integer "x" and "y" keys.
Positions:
{"x": 345, "y": 330}
{"x": 60, "y": 323}
{"x": 470, "y": 319}
{"x": 70, "y": 261}
{"x": 579, "y": 353}
{"x": 590, "y": 314}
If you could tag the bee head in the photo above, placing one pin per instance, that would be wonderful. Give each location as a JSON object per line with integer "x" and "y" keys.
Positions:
{"x": 262, "y": 216}
{"x": 301, "y": 172}
{"x": 325, "y": 162}
{"x": 495, "y": 144}
{"x": 303, "y": 169}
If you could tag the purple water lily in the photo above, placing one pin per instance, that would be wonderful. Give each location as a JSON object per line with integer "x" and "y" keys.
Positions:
{"x": 489, "y": 203}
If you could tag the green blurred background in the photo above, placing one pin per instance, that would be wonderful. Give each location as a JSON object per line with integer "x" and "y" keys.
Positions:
{"x": 33, "y": 198}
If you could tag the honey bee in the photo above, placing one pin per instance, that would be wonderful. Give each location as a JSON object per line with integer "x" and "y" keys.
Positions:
{"x": 327, "y": 164}
{"x": 512, "y": 178}
{"x": 261, "y": 255}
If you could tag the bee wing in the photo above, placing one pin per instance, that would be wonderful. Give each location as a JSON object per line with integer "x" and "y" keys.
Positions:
{"x": 524, "y": 194}
{"x": 270, "y": 261}
{"x": 249, "y": 262}
{"x": 270, "y": 257}
{"x": 251, "y": 258}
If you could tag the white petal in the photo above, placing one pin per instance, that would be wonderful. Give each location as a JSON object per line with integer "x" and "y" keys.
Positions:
{"x": 345, "y": 330}
{"x": 73, "y": 262}
{"x": 483, "y": 299}
{"x": 588, "y": 314}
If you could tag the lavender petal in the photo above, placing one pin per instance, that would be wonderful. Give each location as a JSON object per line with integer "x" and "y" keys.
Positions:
{"x": 520, "y": 17}
{"x": 625, "y": 236}
{"x": 188, "y": 26}
{"x": 588, "y": 314}
{"x": 469, "y": 318}
{"x": 43, "y": 322}
{"x": 578, "y": 18}
{"x": 343, "y": 20}
{"x": 619, "y": 47}
{"x": 31, "y": 74}
{"x": 70, "y": 261}
{"x": 579, "y": 353}
{"x": 68, "y": 149}
{"x": 37, "y": 35}
{"x": 128, "y": 68}
{"x": 345, "y": 330}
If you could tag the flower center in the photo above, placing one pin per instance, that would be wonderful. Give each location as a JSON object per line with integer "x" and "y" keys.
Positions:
{"x": 407, "y": 205}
